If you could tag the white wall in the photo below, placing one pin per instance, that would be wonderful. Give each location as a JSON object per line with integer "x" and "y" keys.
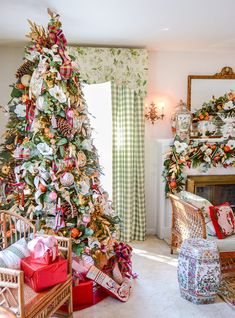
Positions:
{"x": 168, "y": 73}
{"x": 10, "y": 59}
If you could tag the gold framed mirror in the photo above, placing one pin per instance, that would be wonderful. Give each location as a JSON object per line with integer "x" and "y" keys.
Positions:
{"x": 201, "y": 88}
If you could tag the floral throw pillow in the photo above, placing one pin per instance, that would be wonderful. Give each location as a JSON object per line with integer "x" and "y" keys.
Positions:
{"x": 223, "y": 220}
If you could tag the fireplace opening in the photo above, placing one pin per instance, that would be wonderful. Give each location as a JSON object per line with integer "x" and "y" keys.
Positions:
{"x": 217, "y": 189}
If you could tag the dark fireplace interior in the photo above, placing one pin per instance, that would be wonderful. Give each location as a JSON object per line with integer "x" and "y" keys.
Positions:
{"x": 209, "y": 187}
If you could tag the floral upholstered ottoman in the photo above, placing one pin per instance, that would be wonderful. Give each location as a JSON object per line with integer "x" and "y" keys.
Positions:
{"x": 199, "y": 270}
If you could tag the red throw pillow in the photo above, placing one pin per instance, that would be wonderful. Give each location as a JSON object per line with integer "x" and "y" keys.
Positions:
{"x": 223, "y": 219}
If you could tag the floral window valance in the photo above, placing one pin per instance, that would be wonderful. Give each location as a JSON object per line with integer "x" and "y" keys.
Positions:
{"x": 128, "y": 67}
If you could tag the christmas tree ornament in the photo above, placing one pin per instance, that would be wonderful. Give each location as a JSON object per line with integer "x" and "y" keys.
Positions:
{"x": 25, "y": 80}
{"x": 11, "y": 178}
{"x": 8, "y": 233}
{"x": 5, "y": 169}
{"x": 20, "y": 86}
{"x": 74, "y": 232}
{"x": 69, "y": 210}
{"x": 86, "y": 218}
{"x": 81, "y": 158}
{"x": 51, "y": 135}
{"x": 46, "y": 131}
{"x": 42, "y": 187}
{"x": 67, "y": 179}
{"x": 65, "y": 128}
{"x": 53, "y": 196}
{"x": 25, "y": 68}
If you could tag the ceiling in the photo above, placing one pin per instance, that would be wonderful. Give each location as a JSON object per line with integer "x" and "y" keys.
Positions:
{"x": 161, "y": 25}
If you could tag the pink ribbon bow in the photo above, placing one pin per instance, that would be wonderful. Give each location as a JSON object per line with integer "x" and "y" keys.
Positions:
{"x": 44, "y": 247}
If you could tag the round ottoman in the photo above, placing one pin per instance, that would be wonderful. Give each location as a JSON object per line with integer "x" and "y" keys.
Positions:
{"x": 199, "y": 270}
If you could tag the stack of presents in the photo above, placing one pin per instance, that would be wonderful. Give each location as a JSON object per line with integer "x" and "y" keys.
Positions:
{"x": 44, "y": 266}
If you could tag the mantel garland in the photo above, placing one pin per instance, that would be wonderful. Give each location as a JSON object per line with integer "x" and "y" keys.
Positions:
{"x": 203, "y": 154}
{"x": 222, "y": 105}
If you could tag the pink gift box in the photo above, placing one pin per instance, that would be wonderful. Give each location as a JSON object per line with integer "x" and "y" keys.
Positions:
{"x": 43, "y": 250}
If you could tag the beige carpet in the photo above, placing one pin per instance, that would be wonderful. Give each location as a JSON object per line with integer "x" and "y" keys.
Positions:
{"x": 155, "y": 293}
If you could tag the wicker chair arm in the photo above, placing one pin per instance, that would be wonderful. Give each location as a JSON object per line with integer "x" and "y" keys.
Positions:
{"x": 10, "y": 277}
{"x": 188, "y": 221}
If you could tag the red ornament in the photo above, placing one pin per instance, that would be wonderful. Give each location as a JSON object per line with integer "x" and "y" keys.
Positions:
{"x": 42, "y": 187}
{"x": 20, "y": 86}
{"x": 173, "y": 185}
{"x": 227, "y": 148}
{"x": 74, "y": 232}
{"x": 8, "y": 233}
{"x": 217, "y": 158}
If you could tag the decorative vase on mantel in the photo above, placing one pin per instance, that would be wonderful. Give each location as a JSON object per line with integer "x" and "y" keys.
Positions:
{"x": 183, "y": 120}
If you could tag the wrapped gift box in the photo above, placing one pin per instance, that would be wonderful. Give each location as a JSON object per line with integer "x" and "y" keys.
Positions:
{"x": 43, "y": 250}
{"x": 40, "y": 276}
{"x": 83, "y": 294}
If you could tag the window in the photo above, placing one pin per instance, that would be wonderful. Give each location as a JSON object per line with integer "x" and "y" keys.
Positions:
{"x": 99, "y": 102}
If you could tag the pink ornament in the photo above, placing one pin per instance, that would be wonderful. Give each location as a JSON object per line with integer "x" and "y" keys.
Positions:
{"x": 51, "y": 135}
{"x": 53, "y": 196}
{"x": 70, "y": 113}
{"x": 86, "y": 218}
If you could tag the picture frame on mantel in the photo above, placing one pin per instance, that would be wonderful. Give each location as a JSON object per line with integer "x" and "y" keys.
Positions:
{"x": 201, "y": 88}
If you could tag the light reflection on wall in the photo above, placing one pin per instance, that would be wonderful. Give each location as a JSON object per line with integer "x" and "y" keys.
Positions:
{"x": 98, "y": 98}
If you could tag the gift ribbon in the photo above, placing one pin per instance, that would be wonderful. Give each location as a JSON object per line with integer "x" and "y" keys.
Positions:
{"x": 59, "y": 219}
{"x": 30, "y": 113}
{"x": 56, "y": 36}
{"x": 122, "y": 257}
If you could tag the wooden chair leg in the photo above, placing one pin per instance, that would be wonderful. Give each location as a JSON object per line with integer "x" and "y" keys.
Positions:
{"x": 70, "y": 304}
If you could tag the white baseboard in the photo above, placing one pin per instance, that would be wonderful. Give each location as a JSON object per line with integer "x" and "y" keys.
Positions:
{"x": 151, "y": 231}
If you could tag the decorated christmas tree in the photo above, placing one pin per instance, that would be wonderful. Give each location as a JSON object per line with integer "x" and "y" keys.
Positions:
{"x": 49, "y": 166}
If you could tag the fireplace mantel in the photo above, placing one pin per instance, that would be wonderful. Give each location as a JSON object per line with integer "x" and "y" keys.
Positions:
{"x": 163, "y": 208}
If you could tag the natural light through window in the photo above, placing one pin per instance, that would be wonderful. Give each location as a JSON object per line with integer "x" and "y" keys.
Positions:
{"x": 98, "y": 98}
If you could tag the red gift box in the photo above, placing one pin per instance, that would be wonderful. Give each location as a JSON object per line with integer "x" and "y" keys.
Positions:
{"x": 86, "y": 295}
{"x": 83, "y": 294}
{"x": 40, "y": 276}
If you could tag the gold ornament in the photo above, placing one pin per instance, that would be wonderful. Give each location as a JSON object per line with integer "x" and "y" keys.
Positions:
{"x": 25, "y": 80}
{"x": 6, "y": 169}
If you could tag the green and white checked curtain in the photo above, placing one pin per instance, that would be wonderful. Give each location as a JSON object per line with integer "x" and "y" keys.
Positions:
{"x": 128, "y": 162}
{"x": 127, "y": 70}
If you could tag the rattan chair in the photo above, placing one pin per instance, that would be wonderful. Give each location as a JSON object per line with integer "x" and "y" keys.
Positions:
{"x": 188, "y": 221}
{"x": 16, "y": 295}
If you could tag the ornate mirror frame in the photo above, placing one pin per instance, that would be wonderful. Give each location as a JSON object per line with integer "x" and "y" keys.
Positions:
{"x": 226, "y": 73}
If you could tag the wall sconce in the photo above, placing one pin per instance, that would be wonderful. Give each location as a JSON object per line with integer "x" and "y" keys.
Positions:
{"x": 152, "y": 113}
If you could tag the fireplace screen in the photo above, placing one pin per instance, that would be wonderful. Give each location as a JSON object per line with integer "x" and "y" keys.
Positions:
{"x": 216, "y": 189}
